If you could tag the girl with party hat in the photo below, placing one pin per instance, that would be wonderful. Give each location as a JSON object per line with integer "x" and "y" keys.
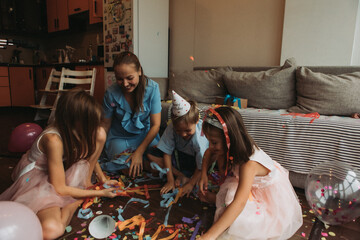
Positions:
{"x": 181, "y": 147}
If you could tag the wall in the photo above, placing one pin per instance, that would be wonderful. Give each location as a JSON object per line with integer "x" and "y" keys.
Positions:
{"x": 212, "y": 33}
{"x": 78, "y": 40}
{"x": 250, "y": 33}
{"x": 47, "y": 44}
{"x": 322, "y": 32}
{"x": 228, "y": 32}
{"x": 25, "y": 44}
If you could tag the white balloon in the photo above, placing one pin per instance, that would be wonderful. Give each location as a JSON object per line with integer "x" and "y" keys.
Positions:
{"x": 18, "y": 221}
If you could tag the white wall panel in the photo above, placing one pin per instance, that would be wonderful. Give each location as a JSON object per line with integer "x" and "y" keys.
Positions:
{"x": 320, "y": 32}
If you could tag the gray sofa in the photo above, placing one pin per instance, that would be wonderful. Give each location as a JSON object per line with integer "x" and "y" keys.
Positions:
{"x": 278, "y": 99}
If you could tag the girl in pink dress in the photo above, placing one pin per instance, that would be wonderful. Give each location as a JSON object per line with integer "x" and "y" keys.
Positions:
{"x": 52, "y": 177}
{"x": 256, "y": 199}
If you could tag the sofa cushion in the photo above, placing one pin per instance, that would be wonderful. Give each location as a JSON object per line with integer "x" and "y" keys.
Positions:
{"x": 327, "y": 94}
{"x": 199, "y": 86}
{"x": 273, "y": 88}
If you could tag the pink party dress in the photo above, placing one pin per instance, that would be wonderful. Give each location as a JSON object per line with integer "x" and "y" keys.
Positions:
{"x": 31, "y": 185}
{"x": 272, "y": 211}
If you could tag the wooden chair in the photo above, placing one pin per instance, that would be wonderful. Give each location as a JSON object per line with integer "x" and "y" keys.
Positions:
{"x": 49, "y": 95}
{"x": 74, "y": 78}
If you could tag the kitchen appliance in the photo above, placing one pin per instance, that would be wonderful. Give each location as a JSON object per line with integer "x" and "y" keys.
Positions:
{"x": 139, "y": 26}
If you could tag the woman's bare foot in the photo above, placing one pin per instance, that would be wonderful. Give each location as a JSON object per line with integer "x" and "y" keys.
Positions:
{"x": 209, "y": 197}
{"x": 181, "y": 180}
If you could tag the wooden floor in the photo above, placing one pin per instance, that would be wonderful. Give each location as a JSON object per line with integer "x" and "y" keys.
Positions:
{"x": 153, "y": 213}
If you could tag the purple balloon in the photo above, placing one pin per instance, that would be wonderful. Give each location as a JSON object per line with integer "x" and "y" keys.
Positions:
{"x": 17, "y": 221}
{"x": 23, "y": 136}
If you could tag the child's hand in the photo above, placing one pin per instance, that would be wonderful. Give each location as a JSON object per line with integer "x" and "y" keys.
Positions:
{"x": 170, "y": 185}
{"x": 187, "y": 189}
{"x": 110, "y": 182}
{"x": 203, "y": 184}
{"x": 109, "y": 192}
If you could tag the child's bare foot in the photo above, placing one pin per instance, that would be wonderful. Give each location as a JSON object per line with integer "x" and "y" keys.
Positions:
{"x": 181, "y": 180}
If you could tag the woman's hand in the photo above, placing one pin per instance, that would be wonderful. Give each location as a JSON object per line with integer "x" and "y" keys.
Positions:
{"x": 170, "y": 185}
{"x": 136, "y": 165}
{"x": 203, "y": 183}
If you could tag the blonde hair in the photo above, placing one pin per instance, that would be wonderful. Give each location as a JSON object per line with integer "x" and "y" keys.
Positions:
{"x": 191, "y": 117}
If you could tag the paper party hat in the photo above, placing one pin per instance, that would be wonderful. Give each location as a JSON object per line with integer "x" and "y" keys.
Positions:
{"x": 180, "y": 106}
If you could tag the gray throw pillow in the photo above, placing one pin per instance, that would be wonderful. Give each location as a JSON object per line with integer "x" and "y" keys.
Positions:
{"x": 326, "y": 93}
{"x": 272, "y": 89}
{"x": 199, "y": 86}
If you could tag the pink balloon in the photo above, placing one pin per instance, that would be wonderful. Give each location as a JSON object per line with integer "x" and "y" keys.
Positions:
{"x": 17, "y": 221}
{"x": 23, "y": 136}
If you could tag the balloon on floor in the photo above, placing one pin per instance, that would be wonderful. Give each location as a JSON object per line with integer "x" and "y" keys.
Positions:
{"x": 17, "y": 221}
{"x": 23, "y": 136}
{"x": 332, "y": 190}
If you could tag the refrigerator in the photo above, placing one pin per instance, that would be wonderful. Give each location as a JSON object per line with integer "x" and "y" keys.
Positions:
{"x": 139, "y": 26}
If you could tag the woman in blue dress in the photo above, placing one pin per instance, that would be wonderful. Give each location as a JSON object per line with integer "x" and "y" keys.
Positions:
{"x": 132, "y": 109}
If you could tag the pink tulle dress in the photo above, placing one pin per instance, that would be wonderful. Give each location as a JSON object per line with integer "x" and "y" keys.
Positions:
{"x": 31, "y": 186}
{"x": 272, "y": 211}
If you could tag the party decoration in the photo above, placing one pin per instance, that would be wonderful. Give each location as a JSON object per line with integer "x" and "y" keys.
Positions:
{"x": 18, "y": 221}
{"x": 180, "y": 106}
{"x": 102, "y": 226}
{"x": 332, "y": 190}
{"x": 23, "y": 136}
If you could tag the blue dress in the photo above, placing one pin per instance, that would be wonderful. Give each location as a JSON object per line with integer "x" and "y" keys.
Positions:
{"x": 128, "y": 129}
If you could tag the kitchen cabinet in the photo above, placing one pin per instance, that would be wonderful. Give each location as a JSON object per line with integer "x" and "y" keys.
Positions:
{"x": 57, "y": 15}
{"x": 5, "y": 99}
{"x": 95, "y": 11}
{"x": 21, "y": 86}
{"x": 77, "y": 6}
{"x": 99, "y": 89}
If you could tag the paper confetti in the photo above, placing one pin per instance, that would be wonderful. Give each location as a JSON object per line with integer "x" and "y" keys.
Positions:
{"x": 68, "y": 228}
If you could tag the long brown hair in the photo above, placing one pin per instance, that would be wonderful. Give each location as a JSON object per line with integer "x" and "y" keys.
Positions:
{"x": 241, "y": 143}
{"x": 130, "y": 58}
{"x": 77, "y": 118}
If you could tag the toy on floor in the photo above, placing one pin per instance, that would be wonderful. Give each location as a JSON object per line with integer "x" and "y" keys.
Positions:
{"x": 17, "y": 221}
{"x": 23, "y": 136}
{"x": 102, "y": 226}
